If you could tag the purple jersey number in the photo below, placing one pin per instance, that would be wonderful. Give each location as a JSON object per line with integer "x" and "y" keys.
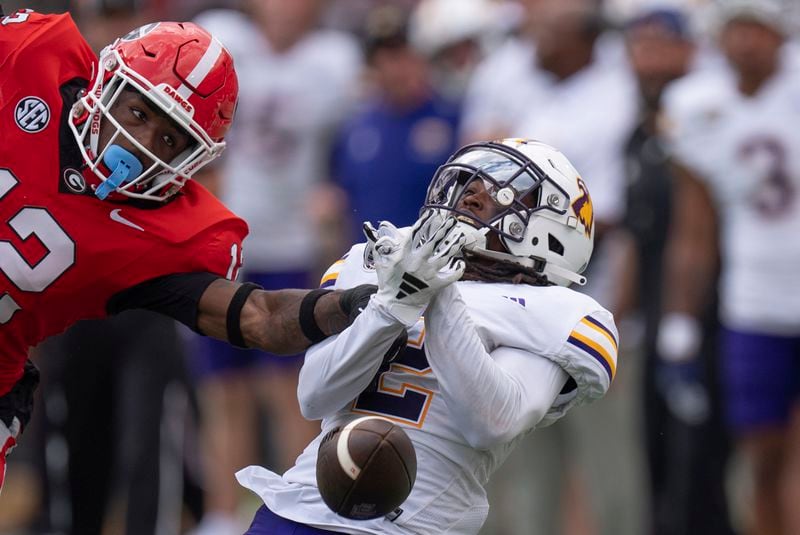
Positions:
{"x": 775, "y": 192}
{"x": 391, "y": 397}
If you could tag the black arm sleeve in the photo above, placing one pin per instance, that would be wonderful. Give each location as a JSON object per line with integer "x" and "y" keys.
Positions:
{"x": 176, "y": 296}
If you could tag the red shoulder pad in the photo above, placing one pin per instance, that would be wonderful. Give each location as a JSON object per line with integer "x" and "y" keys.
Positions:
{"x": 197, "y": 233}
{"x": 35, "y": 46}
{"x": 194, "y": 212}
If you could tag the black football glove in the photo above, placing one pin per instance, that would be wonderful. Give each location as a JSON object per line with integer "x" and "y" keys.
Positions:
{"x": 354, "y": 300}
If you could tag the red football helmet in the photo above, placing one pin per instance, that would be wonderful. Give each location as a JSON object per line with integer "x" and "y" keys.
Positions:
{"x": 181, "y": 69}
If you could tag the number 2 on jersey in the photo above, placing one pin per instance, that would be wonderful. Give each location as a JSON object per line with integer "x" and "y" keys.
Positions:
{"x": 394, "y": 398}
{"x": 37, "y": 276}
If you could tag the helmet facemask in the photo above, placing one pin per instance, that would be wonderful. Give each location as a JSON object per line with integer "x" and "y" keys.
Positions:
{"x": 525, "y": 197}
{"x": 160, "y": 179}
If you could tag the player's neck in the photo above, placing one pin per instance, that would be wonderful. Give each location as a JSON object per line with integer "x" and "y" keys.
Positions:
{"x": 751, "y": 82}
{"x": 570, "y": 65}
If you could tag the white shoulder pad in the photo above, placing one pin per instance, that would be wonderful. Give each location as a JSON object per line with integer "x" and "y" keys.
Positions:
{"x": 589, "y": 356}
{"x": 352, "y": 269}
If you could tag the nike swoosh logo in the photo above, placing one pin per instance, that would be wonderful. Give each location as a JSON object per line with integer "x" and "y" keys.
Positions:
{"x": 115, "y": 216}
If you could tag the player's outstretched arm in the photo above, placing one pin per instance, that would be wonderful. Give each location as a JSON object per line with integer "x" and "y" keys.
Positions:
{"x": 690, "y": 266}
{"x": 338, "y": 369}
{"x": 281, "y": 321}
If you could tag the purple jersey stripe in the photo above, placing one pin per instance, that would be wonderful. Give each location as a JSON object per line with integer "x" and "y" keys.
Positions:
{"x": 593, "y": 352}
{"x": 328, "y": 283}
{"x": 601, "y": 326}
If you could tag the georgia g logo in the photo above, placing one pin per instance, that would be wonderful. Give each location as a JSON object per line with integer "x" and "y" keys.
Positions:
{"x": 582, "y": 206}
{"x": 32, "y": 114}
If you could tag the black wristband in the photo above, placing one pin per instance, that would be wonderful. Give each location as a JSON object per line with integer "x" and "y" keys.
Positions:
{"x": 235, "y": 312}
{"x": 308, "y": 324}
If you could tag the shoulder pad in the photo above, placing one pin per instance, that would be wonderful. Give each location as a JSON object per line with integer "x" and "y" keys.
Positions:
{"x": 589, "y": 356}
{"x": 194, "y": 212}
{"x": 350, "y": 270}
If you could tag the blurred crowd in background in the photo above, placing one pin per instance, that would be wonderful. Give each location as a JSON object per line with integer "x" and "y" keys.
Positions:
{"x": 346, "y": 109}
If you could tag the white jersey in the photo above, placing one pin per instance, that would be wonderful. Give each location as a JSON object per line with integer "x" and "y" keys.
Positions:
{"x": 569, "y": 330}
{"x": 289, "y": 104}
{"x": 747, "y": 151}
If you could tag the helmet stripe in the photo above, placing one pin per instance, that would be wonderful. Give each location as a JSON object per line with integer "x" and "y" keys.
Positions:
{"x": 201, "y": 70}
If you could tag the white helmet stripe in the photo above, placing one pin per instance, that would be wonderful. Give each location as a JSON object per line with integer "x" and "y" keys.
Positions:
{"x": 203, "y": 67}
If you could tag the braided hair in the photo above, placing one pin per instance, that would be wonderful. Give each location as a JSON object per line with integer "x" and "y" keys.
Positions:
{"x": 481, "y": 268}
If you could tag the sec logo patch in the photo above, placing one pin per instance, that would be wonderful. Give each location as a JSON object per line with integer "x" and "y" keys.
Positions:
{"x": 32, "y": 114}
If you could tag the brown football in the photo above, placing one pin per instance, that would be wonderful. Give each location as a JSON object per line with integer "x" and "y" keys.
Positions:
{"x": 366, "y": 469}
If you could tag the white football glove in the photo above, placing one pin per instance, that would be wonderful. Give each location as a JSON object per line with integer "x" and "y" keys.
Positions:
{"x": 413, "y": 266}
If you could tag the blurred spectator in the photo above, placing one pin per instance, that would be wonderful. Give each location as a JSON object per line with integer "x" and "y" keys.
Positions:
{"x": 122, "y": 407}
{"x": 564, "y": 81}
{"x": 733, "y": 131}
{"x": 351, "y": 15}
{"x": 295, "y": 82}
{"x": 686, "y": 444}
{"x": 388, "y": 150}
{"x": 455, "y": 35}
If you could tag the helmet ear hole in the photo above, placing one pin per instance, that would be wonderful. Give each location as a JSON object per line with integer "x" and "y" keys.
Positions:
{"x": 554, "y": 245}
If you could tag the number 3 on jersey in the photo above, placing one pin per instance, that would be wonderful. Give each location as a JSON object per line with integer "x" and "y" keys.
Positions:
{"x": 394, "y": 398}
{"x": 27, "y": 276}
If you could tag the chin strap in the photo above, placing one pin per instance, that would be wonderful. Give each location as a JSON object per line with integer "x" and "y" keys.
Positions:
{"x": 532, "y": 264}
{"x": 476, "y": 243}
{"x": 571, "y": 276}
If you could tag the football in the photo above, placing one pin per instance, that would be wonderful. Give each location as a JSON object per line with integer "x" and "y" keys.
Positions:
{"x": 366, "y": 469}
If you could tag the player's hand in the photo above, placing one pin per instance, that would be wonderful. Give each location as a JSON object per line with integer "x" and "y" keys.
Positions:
{"x": 679, "y": 371}
{"x": 413, "y": 266}
{"x": 683, "y": 388}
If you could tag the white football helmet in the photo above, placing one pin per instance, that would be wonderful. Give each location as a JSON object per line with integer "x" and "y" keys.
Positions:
{"x": 545, "y": 218}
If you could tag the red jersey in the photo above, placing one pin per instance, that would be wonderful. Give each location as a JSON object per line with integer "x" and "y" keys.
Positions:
{"x": 64, "y": 252}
